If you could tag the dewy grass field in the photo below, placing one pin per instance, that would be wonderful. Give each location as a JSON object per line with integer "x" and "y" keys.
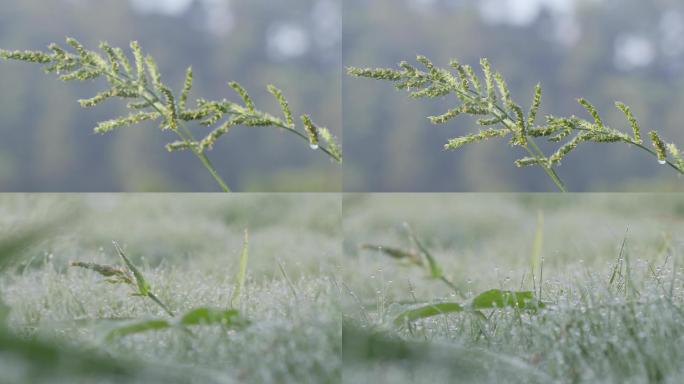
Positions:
{"x": 579, "y": 288}
{"x": 68, "y": 324}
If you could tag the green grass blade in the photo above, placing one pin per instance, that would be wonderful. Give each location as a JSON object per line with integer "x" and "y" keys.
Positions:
{"x": 537, "y": 245}
{"x": 427, "y": 311}
{"x": 496, "y": 298}
{"x": 242, "y": 272}
{"x": 434, "y": 267}
{"x": 141, "y": 283}
{"x": 207, "y": 316}
{"x": 395, "y": 253}
{"x": 137, "y": 327}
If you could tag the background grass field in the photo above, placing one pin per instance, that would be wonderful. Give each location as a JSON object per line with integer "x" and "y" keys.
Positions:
{"x": 188, "y": 247}
{"x": 592, "y": 329}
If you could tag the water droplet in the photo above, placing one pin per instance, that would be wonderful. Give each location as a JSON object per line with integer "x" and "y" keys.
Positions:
{"x": 662, "y": 162}
{"x": 313, "y": 146}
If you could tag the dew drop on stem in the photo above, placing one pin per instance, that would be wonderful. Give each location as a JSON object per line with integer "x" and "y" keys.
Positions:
{"x": 313, "y": 146}
{"x": 662, "y": 162}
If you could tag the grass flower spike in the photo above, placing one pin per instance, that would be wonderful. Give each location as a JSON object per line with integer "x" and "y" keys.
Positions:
{"x": 500, "y": 116}
{"x": 150, "y": 99}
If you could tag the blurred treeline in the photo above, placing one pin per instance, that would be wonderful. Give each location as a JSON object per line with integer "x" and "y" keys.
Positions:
{"x": 46, "y": 141}
{"x": 607, "y": 50}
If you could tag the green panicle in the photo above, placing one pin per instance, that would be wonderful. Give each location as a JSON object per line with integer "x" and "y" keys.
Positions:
{"x": 489, "y": 82}
{"x": 139, "y": 63}
{"x": 180, "y": 146}
{"x": 99, "y": 98}
{"x": 243, "y": 94}
{"x": 562, "y": 134}
{"x": 311, "y": 130}
{"x": 426, "y": 62}
{"x": 503, "y": 89}
{"x": 632, "y": 121}
{"x": 172, "y": 118}
{"x": 434, "y": 90}
{"x": 123, "y": 60}
{"x": 474, "y": 80}
{"x": 659, "y": 145}
{"x": 607, "y": 136}
{"x": 534, "y": 108}
{"x": 187, "y": 86}
{"x": 482, "y": 135}
{"x": 111, "y": 55}
{"x": 171, "y": 108}
{"x": 450, "y": 114}
{"x": 209, "y": 141}
{"x": 592, "y": 110}
{"x": 409, "y": 70}
{"x": 462, "y": 74}
{"x": 520, "y": 137}
{"x": 332, "y": 145}
{"x": 115, "y": 275}
{"x": 375, "y": 73}
{"x": 28, "y": 56}
{"x": 542, "y": 131}
{"x": 489, "y": 122}
{"x": 132, "y": 119}
{"x": 139, "y": 105}
{"x": 284, "y": 105}
{"x": 566, "y": 148}
{"x": 528, "y": 161}
{"x": 81, "y": 74}
{"x": 153, "y": 70}
{"x": 78, "y": 47}
{"x": 677, "y": 155}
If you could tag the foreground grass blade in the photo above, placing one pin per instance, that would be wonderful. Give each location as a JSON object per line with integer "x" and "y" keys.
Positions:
{"x": 427, "y": 311}
{"x": 491, "y": 299}
{"x": 206, "y": 316}
{"x": 242, "y": 272}
{"x": 537, "y": 246}
{"x": 395, "y": 253}
{"x": 141, "y": 283}
{"x": 435, "y": 269}
{"x": 137, "y": 327}
{"x": 197, "y": 316}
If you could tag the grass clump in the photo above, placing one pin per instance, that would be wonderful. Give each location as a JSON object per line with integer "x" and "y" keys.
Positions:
{"x": 568, "y": 295}
{"x": 488, "y": 99}
{"x": 150, "y": 99}
{"x": 132, "y": 276}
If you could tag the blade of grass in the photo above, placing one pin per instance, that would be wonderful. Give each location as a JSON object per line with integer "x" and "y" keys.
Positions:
{"x": 496, "y": 298}
{"x": 242, "y": 272}
{"x": 434, "y": 267}
{"x": 537, "y": 245}
{"x": 142, "y": 284}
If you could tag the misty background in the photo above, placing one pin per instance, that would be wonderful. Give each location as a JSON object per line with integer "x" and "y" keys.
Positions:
{"x": 46, "y": 139}
{"x": 632, "y": 51}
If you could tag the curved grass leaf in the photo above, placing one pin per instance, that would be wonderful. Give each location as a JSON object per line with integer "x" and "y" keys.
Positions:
{"x": 137, "y": 327}
{"x": 141, "y": 283}
{"x": 494, "y": 298}
{"x": 207, "y": 316}
{"x": 395, "y": 253}
{"x": 196, "y": 316}
{"x": 434, "y": 267}
{"x": 428, "y": 311}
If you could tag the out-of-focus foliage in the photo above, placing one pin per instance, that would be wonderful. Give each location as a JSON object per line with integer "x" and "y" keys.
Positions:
{"x": 45, "y": 142}
{"x": 575, "y": 48}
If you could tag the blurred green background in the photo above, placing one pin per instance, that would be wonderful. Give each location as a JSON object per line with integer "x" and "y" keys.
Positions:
{"x": 47, "y": 142}
{"x": 603, "y": 50}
